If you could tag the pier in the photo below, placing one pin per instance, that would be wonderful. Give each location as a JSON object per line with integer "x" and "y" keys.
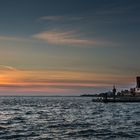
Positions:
{"x": 117, "y": 100}
{"x": 132, "y": 95}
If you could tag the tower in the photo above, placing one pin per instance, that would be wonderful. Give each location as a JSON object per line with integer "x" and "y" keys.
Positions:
{"x": 138, "y": 81}
{"x": 137, "y": 89}
{"x": 114, "y": 92}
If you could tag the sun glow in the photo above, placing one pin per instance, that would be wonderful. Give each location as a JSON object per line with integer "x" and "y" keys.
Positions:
{"x": 46, "y": 80}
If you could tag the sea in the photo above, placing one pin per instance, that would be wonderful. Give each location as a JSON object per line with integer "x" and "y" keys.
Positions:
{"x": 67, "y": 118}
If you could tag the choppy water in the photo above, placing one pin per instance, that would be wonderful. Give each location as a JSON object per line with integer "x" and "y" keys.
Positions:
{"x": 67, "y": 118}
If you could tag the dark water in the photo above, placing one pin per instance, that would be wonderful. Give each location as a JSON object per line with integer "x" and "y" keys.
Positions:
{"x": 67, "y": 118}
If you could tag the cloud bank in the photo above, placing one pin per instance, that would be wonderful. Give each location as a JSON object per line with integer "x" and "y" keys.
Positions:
{"x": 62, "y": 38}
{"x": 7, "y": 68}
{"x": 61, "y": 18}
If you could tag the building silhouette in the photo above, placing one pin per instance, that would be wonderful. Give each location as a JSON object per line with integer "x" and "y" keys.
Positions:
{"x": 137, "y": 89}
{"x": 138, "y": 81}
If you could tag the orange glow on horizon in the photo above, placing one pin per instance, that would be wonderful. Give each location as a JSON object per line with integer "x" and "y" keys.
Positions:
{"x": 42, "y": 80}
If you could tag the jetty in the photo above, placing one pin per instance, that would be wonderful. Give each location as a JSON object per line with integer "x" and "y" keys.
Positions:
{"x": 132, "y": 95}
{"x": 117, "y": 100}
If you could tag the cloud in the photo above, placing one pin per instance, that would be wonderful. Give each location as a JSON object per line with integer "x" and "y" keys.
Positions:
{"x": 13, "y": 38}
{"x": 52, "y": 18}
{"x": 61, "y": 18}
{"x": 62, "y": 38}
{"x": 9, "y": 38}
{"x": 7, "y": 68}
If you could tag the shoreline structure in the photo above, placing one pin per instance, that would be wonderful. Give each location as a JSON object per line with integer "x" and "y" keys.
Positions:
{"x": 132, "y": 95}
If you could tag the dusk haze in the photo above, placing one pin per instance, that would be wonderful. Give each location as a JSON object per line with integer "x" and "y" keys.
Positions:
{"x": 69, "y": 69}
{"x": 68, "y": 47}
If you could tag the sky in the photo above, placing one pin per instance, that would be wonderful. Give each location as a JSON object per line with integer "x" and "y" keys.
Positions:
{"x": 68, "y": 47}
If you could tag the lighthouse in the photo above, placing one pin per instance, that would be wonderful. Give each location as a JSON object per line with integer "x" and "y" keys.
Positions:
{"x": 137, "y": 89}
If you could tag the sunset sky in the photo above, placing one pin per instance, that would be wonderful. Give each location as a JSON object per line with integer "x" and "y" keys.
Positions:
{"x": 68, "y": 47}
